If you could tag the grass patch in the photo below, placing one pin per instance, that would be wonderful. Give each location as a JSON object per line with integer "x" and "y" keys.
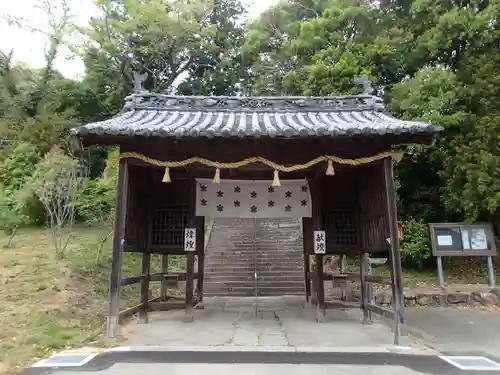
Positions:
{"x": 49, "y": 304}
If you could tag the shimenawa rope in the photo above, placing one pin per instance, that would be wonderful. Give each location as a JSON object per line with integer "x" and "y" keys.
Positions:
{"x": 259, "y": 159}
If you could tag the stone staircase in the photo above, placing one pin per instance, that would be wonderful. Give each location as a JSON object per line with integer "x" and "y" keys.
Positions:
{"x": 238, "y": 248}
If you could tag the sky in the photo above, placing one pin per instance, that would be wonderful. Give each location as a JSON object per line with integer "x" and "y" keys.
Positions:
{"x": 29, "y": 45}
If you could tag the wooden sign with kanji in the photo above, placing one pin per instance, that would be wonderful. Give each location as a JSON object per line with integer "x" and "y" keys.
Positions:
{"x": 319, "y": 242}
{"x": 189, "y": 239}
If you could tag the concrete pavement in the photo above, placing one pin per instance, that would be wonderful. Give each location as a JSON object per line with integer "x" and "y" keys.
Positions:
{"x": 262, "y": 363}
{"x": 281, "y": 336}
{"x": 456, "y": 330}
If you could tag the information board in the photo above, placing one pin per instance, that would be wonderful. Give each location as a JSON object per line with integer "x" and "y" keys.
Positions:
{"x": 459, "y": 239}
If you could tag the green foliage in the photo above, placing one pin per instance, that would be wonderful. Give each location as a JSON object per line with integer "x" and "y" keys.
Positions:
{"x": 58, "y": 182}
{"x": 415, "y": 247}
{"x": 97, "y": 202}
{"x": 10, "y": 218}
{"x": 17, "y": 164}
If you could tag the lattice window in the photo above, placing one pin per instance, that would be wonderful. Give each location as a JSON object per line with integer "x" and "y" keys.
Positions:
{"x": 168, "y": 225}
{"x": 343, "y": 225}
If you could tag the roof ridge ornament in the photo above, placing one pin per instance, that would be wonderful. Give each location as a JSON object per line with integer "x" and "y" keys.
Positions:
{"x": 139, "y": 79}
{"x": 366, "y": 82}
{"x": 146, "y": 100}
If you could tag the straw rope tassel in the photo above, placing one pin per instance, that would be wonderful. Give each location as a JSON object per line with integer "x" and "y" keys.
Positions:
{"x": 276, "y": 179}
{"x": 217, "y": 176}
{"x": 166, "y": 177}
{"x": 329, "y": 170}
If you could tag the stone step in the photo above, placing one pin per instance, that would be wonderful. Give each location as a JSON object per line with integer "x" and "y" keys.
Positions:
{"x": 250, "y": 292}
{"x": 216, "y": 263}
{"x": 250, "y": 268}
{"x": 236, "y": 274}
{"x": 252, "y": 258}
{"x": 209, "y": 284}
{"x": 249, "y": 277}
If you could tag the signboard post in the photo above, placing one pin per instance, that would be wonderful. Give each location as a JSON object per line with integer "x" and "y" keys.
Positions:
{"x": 459, "y": 239}
{"x": 189, "y": 239}
{"x": 319, "y": 242}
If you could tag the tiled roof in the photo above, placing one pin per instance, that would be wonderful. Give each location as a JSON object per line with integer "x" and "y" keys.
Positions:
{"x": 156, "y": 115}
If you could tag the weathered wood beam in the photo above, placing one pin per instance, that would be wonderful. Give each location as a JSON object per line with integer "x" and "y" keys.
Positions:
{"x": 164, "y": 270}
{"x": 145, "y": 264}
{"x": 383, "y": 311}
{"x": 387, "y": 280}
{"x": 117, "y": 254}
{"x": 364, "y": 288}
{"x": 307, "y": 243}
{"x": 200, "y": 250}
{"x": 133, "y": 310}
{"x": 395, "y": 259}
{"x": 317, "y": 224}
{"x": 130, "y": 280}
{"x": 190, "y": 255}
{"x": 166, "y": 305}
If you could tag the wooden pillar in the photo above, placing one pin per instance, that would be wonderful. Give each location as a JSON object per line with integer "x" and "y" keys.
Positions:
{"x": 343, "y": 271}
{"x": 364, "y": 287}
{"x": 307, "y": 240}
{"x": 145, "y": 263}
{"x": 164, "y": 270}
{"x": 317, "y": 224}
{"x": 200, "y": 249}
{"x": 189, "y": 285}
{"x": 190, "y": 255}
{"x": 396, "y": 271}
{"x": 320, "y": 290}
{"x": 117, "y": 255}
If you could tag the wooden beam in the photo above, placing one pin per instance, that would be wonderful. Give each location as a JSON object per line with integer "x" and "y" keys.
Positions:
{"x": 383, "y": 311}
{"x": 190, "y": 255}
{"x": 166, "y": 305}
{"x": 317, "y": 224}
{"x": 364, "y": 288}
{"x": 200, "y": 249}
{"x": 130, "y": 280}
{"x": 117, "y": 255}
{"x": 396, "y": 271}
{"x": 164, "y": 270}
{"x": 134, "y": 310}
{"x": 307, "y": 243}
{"x": 387, "y": 280}
{"x": 145, "y": 263}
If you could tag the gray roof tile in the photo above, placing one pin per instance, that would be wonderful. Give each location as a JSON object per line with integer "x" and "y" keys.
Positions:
{"x": 156, "y": 115}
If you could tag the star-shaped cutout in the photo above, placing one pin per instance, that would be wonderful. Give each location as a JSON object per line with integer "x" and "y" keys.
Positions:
{"x": 288, "y": 194}
{"x": 237, "y": 189}
{"x": 270, "y": 204}
{"x": 203, "y": 202}
{"x": 253, "y": 209}
{"x": 303, "y": 202}
{"x": 253, "y": 194}
{"x": 220, "y": 207}
{"x": 270, "y": 189}
{"x": 203, "y": 187}
{"x": 288, "y": 208}
{"x": 220, "y": 194}
{"x": 237, "y": 203}
{"x": 304, "y": 188}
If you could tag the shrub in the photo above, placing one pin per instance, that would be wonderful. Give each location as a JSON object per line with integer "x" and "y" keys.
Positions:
{"x": 57, "y": 182}
{"x": 18, "y": 165}
{"x": 10, "y": 219}
{"x": 96, "y": 202}
{"x": 415, "y": 247}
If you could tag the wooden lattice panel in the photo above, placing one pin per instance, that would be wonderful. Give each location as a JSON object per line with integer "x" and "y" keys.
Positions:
{"x": 168, "y": 225}
{"x": 344, "y": 227}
